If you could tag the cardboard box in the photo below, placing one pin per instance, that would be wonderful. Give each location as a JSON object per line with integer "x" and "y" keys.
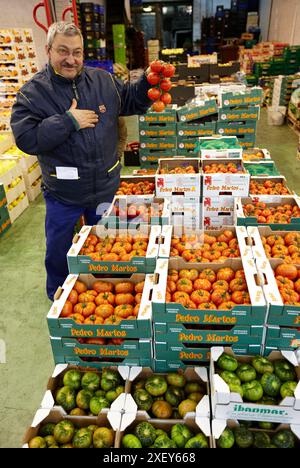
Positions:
{"x": 262, "y": 168}
{"x": 78, "y": 263}
{"x": 219, "y": 425}
{"x": 279, "y": 338}
{"x": 187, "y": 130}
{"x": 262, "y": 180}
{"x": 15, "y": 212}
{"x": 71, "y": 347}
{"x": 135, "y": 179}
{"x": 193, "y": 374}
{"x": 255, "y": 234}
{"x": 243, "y": 220}
{"x": 217, "y": 220}
{"x": 188, "y": 145}
{"x": 6, "y": 141}
{"x": 234, "y": 151}
{"x": 227, "y": 405}
{"x": 221, "y": 204}
{"x": 67, "y": 327}
{"x": 5, "y": 222}
{"x": 98, "y": 363}
{"x": 225, "y": 184}
{"x": 173, "y": 315}
{"x": 250, "y": 97}
{"x": 157, "y": 131}
{"x": 177, "y": 184}
{"x": 34, "y": 190}
{"x": 196, "y": 111}
{"x": 278, "y": 312}
{"x": 243, "y": 128}
{"x": 251, "y": 113}
{"x": 56, "y": 381}
{"x": 11, "y": 177}
{"x": 159, "y": 207}
{"x": 156, "y": 144}
{"x": 168, "y": 232}
{"x": 44, "y": 415}
{"x": 181, "y": 354}
{"x": 168, "y": 117}
{"x": 131, "y": 419}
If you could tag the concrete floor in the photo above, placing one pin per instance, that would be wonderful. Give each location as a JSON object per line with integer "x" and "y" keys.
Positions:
{"x": 23, "y": 326}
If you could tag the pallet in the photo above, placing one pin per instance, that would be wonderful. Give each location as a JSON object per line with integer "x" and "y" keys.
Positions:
{"x": 293, "y": 123}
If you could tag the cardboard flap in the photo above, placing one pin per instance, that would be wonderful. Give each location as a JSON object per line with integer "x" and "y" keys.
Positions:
{"x": 270, "y": 287}
{"x": 124, "y": 372}
{"x": 217, "y": 427}
{"x": 203, "y": 407}
{"x": 296, "y": 430}
{"x": 153, "y": 244}
{"x": 255, "y": 291}
{"x": 238, "y": 208}
{"x": 165, "y": 243}
{"x": 59, "y": 303}
{"x": 59, "y": 368}
{"x": 204, "y": 425}
{"x": 161, "y": 274}
{"x": 202, "y": 372}
{"x": 78, "y": 241}
{"x": 216, "y": 352}
{"x": 243, "y": 239}
{"x": 134, "y": 372}
{"x": 39, "y": 416}
{"x": 145, "y": 311}
{"x": 256, "y": 242}
{"x": 130, "y": 404}
{"x": 114, "y": 418}
{"x": 119, "y": 403}
{"x": 48, "y": 400}
{"x": 127, "y": 419}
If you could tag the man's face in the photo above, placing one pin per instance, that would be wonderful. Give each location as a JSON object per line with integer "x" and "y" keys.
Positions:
{"x": 66, "y": 55}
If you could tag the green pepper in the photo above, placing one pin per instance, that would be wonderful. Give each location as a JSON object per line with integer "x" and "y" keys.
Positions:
{"x": 131, "y": 441}
{"x": 156, "y": 385}
{"x": 246, "y": 373}
{"x": 227, "y": 362}
{"x": 262, "y": 365}
{"x": 175, "y": 379}
{"x": 287, "y": 389}
{"x": 230, "y": 378}
{"x": 180, "y": 434}
{"x": 253, "y": 391}
{"x": 174, "y": 395}
{"x": 226, "y": 439}
{"x": 284, "y": 370}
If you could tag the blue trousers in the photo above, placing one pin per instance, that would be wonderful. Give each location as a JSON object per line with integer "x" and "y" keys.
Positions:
{"x": 60, "y": 222}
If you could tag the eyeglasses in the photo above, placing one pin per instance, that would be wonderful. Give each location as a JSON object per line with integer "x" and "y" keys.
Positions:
{"x": 65, "y": 52}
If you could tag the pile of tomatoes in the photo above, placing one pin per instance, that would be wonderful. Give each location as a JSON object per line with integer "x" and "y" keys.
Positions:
{"x": 224, "y": 168}
{"x": 287, "y": 248}
{"x": 136, "y": 188}
{"x": 207, "y": 289}
{"x": 205, "y": 248}
{"x": 178, "y": 170}
{"x": 253, "y": 155}
{"x": 266, "y": 214}
{"x": 159, "y": 78}
{"x": 268, "y": 187}
{"x": 113, "y": 249}
{"x": 142, "y": 213}
{"x": 104, "y": 304}
{"x": 288, "y": 282}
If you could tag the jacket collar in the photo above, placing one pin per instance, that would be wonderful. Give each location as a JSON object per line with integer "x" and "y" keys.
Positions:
{"x": 53, "y": 75}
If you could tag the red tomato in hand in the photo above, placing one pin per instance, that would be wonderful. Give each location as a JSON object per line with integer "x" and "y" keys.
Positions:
{"x": 158, "y": 106}
{"x": 166, "y": 98}
{"x": 153, "y": 94}
{"x": 168, "y": 70}
{"x": 165, "y": 84}
{"x": 153, "y": 78}
{"x": 156, "y": 66}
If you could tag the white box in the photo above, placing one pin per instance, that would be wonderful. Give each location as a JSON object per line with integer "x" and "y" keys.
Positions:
{"x": 230, "y": 405}
{"x": 178, "y": 184}
{"x": 18, "y": 210}
{"x": 225, "y": 184}
{"x": 222, "y": 153}
{"x": 218, "y": 220}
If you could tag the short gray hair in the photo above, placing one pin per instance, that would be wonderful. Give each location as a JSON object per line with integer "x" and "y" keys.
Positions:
{"x": 62, "y": 27}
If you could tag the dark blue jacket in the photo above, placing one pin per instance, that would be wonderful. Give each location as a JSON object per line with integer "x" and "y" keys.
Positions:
{"x": 42, "y": 127}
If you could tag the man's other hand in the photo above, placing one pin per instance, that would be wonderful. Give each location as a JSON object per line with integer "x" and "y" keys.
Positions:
{"x": 85, "y": 118}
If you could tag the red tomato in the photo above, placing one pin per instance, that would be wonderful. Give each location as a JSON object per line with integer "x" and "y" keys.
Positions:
{"x": 153, "y": 78}
{"x": 153, "y": 94}
{"x": 158, "y": 106}
{"x": 165, "y": 84}
{"x": 166, "y": 98}
{"x": 156, "y": 66}
{"x": 168, "y": 70}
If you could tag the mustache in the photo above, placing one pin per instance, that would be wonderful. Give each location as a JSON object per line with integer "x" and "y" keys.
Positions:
{"x": 70, "y": 66}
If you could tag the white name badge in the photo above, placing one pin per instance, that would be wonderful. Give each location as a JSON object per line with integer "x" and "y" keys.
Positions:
{"x": 67, "y": 173}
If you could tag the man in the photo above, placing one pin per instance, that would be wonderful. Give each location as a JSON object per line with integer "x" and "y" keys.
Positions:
{"x": 67, "y": 115}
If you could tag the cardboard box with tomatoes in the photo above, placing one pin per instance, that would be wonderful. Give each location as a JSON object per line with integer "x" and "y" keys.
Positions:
{"x": 139, "y": 211}
{"x": 96, "y": 249}
{"x": 178, "y": 176}
{"x": 280, "y": 213}
{"x": 86, "y": 307}
{"x": 190, "y": 308}
{"x": 225, "y": 177}
{"x": 269, "y": 186}
{"x": 256, "y": 155}
{"x": 229, "y": 404}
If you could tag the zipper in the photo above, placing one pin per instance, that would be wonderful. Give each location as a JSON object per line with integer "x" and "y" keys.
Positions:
{"x": 75, "y": 90}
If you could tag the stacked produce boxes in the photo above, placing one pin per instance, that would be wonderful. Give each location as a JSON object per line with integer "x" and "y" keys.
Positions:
{"x": 5, "y": 222}
{"x": 11, "y": 177}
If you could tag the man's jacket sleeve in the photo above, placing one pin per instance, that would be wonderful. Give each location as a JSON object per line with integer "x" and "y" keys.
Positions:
{"x": 134, "y": 98}
{"x": 35, "y": 134}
